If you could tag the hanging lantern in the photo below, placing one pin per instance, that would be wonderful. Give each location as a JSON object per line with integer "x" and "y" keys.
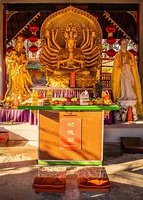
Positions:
{"x": 33, "y": 48}
{"x": 33, "y": 38}
{"x": 111, "y": 53}
{"x": 111, "y": 40}
{"x": 9, "y": 49}
{"x": 133, "y": 52}
{"x": 33, "y": 28}
{"x": 110, "y": 28}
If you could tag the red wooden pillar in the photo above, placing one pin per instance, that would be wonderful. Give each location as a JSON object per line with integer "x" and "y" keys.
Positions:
{"x": 4, "y": 50}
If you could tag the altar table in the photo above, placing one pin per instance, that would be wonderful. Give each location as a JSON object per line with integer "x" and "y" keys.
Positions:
{"x": 70, "y": 134}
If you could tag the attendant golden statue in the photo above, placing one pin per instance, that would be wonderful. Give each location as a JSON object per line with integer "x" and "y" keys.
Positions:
{"x": 19, "y": 80}
{"x": 71, "y": 42}
{"x": 125, "y": 80}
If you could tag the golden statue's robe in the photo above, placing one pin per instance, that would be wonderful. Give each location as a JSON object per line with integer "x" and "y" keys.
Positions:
{"x": 115, "y": 79}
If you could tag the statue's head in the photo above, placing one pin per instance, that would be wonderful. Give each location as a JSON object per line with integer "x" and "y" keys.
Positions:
{"x": 70, "y": 33}
{"x": 124, "y": 44}
{"x": 19, "y": 44}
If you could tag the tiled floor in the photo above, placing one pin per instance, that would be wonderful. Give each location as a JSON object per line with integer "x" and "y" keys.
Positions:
{"x": 18, "y": 168}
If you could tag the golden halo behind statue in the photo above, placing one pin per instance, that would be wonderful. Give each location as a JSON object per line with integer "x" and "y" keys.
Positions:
{"x": 71, "y": 14}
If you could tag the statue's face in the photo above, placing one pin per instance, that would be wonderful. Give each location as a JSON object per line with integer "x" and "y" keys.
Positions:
{"x": 124, "y": 45}
{"x": 18, "y": 46}
{"x": 70, "y": 43}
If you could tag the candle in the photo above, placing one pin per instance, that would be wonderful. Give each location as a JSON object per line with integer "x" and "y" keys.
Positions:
{"x": 98, "y": 75}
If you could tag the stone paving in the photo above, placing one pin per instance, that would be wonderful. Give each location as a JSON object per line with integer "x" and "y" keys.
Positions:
{"x": 18, "y": 168}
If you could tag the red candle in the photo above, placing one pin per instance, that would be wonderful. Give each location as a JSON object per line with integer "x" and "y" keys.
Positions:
{"x": 130, "y": 114}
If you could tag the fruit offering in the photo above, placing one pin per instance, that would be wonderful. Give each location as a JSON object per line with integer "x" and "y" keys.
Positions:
{"x": 98, "y": 101}
{"x": 107, "y": 101}
{"x": 106, "y": 97}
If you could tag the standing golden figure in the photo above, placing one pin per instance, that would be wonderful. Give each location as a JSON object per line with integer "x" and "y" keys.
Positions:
{"x": 125, "y": 80}
{"x": 19, "y": 80}
{"x": 71, "y": 42}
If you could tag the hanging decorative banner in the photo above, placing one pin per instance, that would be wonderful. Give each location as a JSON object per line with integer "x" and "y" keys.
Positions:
{"x": 72, "y": 79}
{"x": 70, "y": 133}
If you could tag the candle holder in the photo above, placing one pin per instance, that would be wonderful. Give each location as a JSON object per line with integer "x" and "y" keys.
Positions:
{"x": 69, "y": 100}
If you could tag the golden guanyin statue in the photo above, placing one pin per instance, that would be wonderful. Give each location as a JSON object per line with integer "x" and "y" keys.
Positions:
{"x": 19, "y": 80}
{"x": 70, "y": 42}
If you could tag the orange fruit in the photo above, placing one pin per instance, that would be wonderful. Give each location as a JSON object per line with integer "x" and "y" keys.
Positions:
{"x": 90, "y": 103}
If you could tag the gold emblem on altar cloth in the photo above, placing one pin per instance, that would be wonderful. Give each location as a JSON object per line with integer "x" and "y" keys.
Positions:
{"x": 70, "y": 42}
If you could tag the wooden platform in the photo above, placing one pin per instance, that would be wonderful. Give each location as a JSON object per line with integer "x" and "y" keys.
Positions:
{"x": 132, "y": 144}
